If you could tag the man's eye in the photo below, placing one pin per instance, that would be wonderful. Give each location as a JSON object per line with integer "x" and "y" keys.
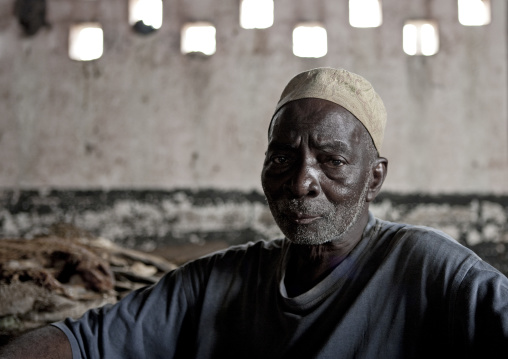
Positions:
{"x": 335, "y": 163}
{"x": 280, "y": 160}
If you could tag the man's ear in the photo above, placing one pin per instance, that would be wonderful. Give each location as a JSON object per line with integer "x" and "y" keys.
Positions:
{"x": 378, "y": 174}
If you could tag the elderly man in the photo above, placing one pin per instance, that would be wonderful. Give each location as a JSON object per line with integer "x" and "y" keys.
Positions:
{"x": 341, "y": 284}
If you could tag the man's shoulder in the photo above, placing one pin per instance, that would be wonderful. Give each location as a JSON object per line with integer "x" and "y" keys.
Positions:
{"x": 258, "y": 246}
{"x": 418, "y": 252}
{"x": 410, "y": 231}
{"x": 420, "y": 239}
{"x": 257, "y": 261}
{"x": 260, "y": 250}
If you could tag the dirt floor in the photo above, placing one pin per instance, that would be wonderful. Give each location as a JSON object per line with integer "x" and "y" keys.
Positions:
{"x": 47, "y": 279}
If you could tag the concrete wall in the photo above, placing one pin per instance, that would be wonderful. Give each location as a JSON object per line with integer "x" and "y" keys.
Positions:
{"x": 155, "y": 220}
{"x": 147, "y": 146}
{"x": 146, "y": 116}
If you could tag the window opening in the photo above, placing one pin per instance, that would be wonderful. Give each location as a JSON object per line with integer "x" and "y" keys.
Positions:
{"x": 310, "y": 40}
{"x": 474, "y": 12}
{"x": 86, "y": 41}
{"x": 365, "y": 13}
{"x": 256, "y": 14}
{"x": 420, "y": 37}
{"x": 145, "y": 16}
{"x": 198, "y": 37}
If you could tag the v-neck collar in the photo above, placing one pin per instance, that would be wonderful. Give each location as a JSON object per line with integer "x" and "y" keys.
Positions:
{"x": 331, "y": 282}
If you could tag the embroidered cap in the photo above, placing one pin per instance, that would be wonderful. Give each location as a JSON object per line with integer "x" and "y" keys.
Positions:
{"x": 347, "y": 89}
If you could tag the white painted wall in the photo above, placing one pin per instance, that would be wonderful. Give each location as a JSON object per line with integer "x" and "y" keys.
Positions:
{"x": 145, "y": 116}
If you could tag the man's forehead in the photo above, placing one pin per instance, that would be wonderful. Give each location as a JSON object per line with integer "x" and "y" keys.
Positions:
{"x": 333, "y": 129}
{"x": 322, "y": 116}
{"x": 311, "y": 105}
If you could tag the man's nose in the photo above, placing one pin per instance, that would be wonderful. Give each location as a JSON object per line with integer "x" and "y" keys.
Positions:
{"x": 304, "y": 181}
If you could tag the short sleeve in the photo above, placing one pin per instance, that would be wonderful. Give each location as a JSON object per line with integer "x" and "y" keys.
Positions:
{"x": 146, "y": 323}
{"x": 481, "y": 313}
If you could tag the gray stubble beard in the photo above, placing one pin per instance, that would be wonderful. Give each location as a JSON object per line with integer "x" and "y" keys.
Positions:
{"x": 336, "y": 219}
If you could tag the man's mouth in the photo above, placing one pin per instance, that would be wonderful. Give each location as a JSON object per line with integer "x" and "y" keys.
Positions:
{"x": 304, "y": 218}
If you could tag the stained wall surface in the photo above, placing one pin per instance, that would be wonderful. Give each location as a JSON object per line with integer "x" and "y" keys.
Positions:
{"x": 151, "y": 148}
{"x": 144, "y": 116}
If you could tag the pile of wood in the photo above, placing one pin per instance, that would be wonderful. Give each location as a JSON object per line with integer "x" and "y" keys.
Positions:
{"x": 65, "y": 273}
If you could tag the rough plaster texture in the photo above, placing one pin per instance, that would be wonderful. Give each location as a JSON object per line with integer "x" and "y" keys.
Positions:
{"x": 150, "y": 220}
{"x": 145, "y": 116}
{"x": 149, "y": 147}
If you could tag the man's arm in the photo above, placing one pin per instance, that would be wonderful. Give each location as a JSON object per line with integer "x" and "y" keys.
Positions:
{"x": 46, "y": 342}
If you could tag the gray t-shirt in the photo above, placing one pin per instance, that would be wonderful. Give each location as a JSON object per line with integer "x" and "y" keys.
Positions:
{"x": 403, "y": 292}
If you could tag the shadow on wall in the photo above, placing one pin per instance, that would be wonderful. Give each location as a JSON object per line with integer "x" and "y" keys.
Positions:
{"x": 205, "y": 220}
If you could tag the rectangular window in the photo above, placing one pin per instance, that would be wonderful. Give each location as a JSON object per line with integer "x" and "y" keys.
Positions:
{"x": 474, "y": 12}
{"x": 85, "y": 41}
{"x": 147, "y": 11}
{"x": 198, "y": 37}
{"x": 365, "y": 13}
{"x": 256, "y": 14}
{"x": 310, "y": 40}
{"x": 420, "y": 37}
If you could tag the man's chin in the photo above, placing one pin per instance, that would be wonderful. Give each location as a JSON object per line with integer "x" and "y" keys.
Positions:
{"x": 309, "y": 239}
{"x": 306, "y": 242}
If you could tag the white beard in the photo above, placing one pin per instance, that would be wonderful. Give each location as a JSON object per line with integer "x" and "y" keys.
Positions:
{"x": 336, "y": 221}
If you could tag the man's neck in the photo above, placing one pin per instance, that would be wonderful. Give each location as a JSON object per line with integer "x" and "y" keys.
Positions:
{"x": 309, "y": 264}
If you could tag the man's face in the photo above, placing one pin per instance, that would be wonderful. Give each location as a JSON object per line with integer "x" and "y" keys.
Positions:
{"x": 316, "y": 171}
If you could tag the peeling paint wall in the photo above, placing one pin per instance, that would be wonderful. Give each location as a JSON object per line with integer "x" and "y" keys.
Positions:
{"x": 149, "y": 220}
{"x": 144, "y": 219}
{"x": 145, "y": 116}
{"x": 149, "y": 147}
